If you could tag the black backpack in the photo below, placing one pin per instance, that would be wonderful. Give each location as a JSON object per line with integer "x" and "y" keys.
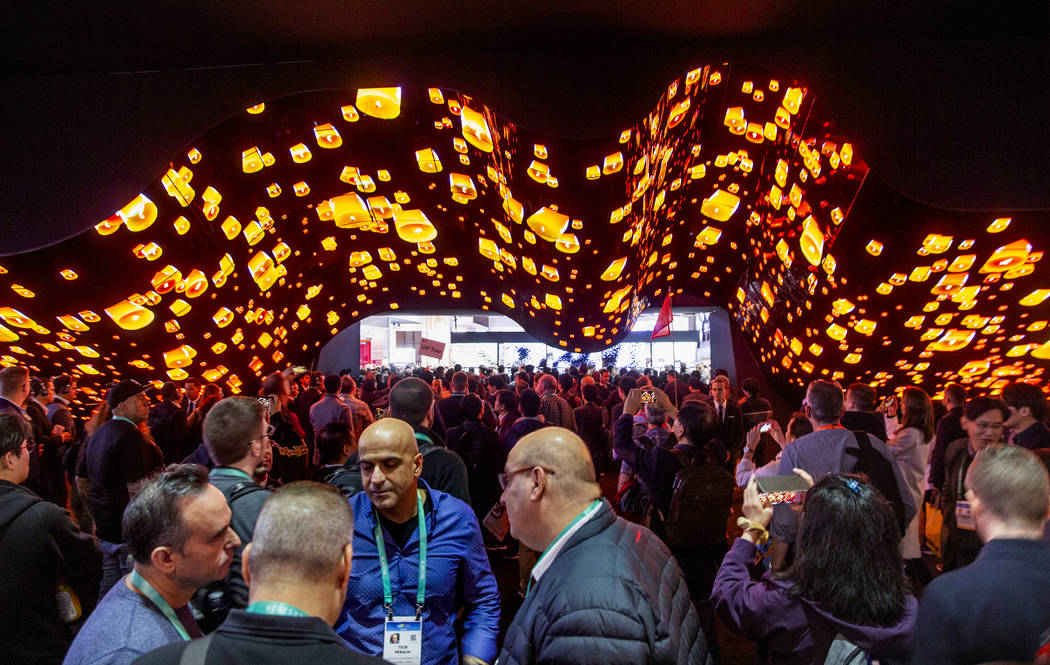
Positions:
{"x": 879, "y": 471}
{"x": 214, "y": 600}
{"x": 701, "y": 498}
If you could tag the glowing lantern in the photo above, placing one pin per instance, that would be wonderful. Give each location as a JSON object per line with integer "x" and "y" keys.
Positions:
{"x": 372, "y": 273}
{"x": 72, "y": 323}
{"x": 428, "y": 160}
{"x": 462, "y": 187}
{"x": 414, "y": 226}
{"x": 811, "y": 242}
{"x": 514, "y": 209}
{"x": 949, "y": 284}
{"x": 529, "y": 265}
{"x": 329, "y": 244}
{"x": 195, "y": 284}
{"x": 179, "y": 307}
{"x": 300, "y": 153}
{"x": 1007, "y": 257}
{"x": 836, "y": 332}
{"x": 539, "y": 171}
{"x": 261, "y": 267}
{"x": 349, "y": 211}
{"x": 177, "y": 185}
{"x": 952, "y": 340}
{"x": 549, "y": 272}
{"x": 792, "y": 100}
{"x": 257, "y": 109}
{"x": 937, "y": 244}
{"x": 139, "y": 214}
{"x": 210, "y": 206}
{"x": 567, "y": 243}
{"x": 251, "y": 160}
{"x": 612, "y": 273}
{"x": 734, "y": 120}
{"x": 382, "y": 103}
{"x": 360, "y": 258}
{"x": 476, "y": 129}
{"x": 999, "y": 225}
{"x": 8, "y": 335}
{"x": 223, "y": 317}
{"x": 1035, "y": 297}
{"x": 302, "y": 312}
{"x": 166, "y": 279}
{"x": 253, "y": 233}
{"x": 720, "y": 206}
{"x": 488, "y": 249}
{"x": 677, "y": 113}
{"x": 865, "y": 327}
{"x": 179, "y": 357}
{"x": 129, "y": 315}
{"x": 612, "y": 163}
{"x": 349, "y": 113}
{"x": 548, "y": 224}
{"x": 708, "y": 236}
{"x": 327, "y": 136}
{"x": 841, "y": 306}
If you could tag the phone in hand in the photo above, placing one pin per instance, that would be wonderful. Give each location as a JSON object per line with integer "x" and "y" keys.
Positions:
{"x": 766, "y": 426}
{"x": 789, "y": 488}
{"x": 648, "y": 396}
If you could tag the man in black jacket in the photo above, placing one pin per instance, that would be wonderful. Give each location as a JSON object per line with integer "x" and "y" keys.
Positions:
{"x": 40, "y": 551}
{"x": 860, "y": 412}
{"x": 605, "y": 590}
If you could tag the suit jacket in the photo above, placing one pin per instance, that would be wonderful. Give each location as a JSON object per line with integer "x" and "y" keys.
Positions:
{"x": 731, "y": 429}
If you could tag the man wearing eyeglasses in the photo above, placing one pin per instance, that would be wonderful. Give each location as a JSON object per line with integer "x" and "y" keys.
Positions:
{"x": 40, "y": 549}
{"x": 982, "y": 420}
{"x": 604, "y": 590}
{"x": 419, "y": 562}
{"x": 237, "y": 435}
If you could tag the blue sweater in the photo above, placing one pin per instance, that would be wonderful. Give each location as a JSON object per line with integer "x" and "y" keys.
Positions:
{"x": 458, "y": 576}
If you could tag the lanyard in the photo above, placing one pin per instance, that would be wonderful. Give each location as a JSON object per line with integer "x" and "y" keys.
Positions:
{"x": 147, "y": 590}
{"x": 384, "y": 568}
{"x": 229, "y": 472}
{"x": 275, "y": 608}
{"x": 962, "y": 474}
{"x": 576, "y": 520}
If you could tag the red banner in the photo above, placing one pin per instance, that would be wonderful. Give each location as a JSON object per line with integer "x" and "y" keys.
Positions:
{"x": 663, "y": 322}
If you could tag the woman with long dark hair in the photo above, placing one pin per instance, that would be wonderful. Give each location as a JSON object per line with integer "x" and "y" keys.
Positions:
{"x": 846, "y": 582}
{"x": 907, "y": 446}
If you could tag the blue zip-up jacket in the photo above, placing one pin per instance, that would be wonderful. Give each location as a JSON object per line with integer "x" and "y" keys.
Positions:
{"x": 458, "y": 576}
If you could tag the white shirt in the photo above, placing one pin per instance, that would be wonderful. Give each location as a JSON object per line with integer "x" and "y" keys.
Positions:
{"x": 552, "y": 550}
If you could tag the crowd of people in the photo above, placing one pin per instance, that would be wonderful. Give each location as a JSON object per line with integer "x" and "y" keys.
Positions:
{"x": 355, "y": 518}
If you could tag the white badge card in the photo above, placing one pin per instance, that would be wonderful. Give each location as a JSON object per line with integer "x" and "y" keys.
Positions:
{"x": 964, "y": 516}
{"x": 403, "y": 641}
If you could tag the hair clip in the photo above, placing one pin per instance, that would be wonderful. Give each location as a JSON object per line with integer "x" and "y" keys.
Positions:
{"x": 853, "y": 485}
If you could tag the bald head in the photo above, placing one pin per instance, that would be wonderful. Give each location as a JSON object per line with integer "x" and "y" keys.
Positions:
{"x": 563, "y": 452}
{"x": 388, "y": 434}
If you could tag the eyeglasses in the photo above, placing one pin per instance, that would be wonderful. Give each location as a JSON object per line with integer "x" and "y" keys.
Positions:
{"x": 29, "y": 446}
{"x": 269, "y": 432}
{"x": 504, "y": 478}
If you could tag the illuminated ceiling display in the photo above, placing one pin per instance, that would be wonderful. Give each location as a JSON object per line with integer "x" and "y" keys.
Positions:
{"x": 301, "y": 215}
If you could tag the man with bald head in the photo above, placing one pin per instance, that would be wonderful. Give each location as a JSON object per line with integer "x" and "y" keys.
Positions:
{"x": 604, "y": 590}
{"x": 418, "y": 559}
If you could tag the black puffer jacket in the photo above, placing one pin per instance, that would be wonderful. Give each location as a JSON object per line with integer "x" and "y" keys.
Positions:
{"x": 614, "y": 594}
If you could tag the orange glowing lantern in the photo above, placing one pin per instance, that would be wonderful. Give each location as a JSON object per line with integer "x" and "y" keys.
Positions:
{"x": 612, "y": 163}
{"x": 382, "y": 103}
{"x": 300, "y": 153}
{"x": 1007, "y": 257}
{"x": 548, "y": 224}
{"x": 476, "y": 129}
{"x": 129, "y": 315}
{"x": 811, "y": 242}
{"x": 177, "y": 185}
{"x": 251, "y": 160}
{"x": 428, "y": 160}
{"x": 414, "y": 226}
{"x": 139, "y": 214}
{"x": 179, "y": 357}
{"x": 720, "y": 206}
{"x": 349, "y": 211}
{"x": 327, "y": 136}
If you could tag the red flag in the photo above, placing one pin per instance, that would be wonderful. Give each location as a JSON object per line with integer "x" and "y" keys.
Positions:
{"x": 663, "y": 322}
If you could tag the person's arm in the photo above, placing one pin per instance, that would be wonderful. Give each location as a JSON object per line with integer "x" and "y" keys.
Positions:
{"x": 623, "y": 440}
{"x": 481, "y": 603}
{"x": 746, "y": 607}
{"x": 80, "y": 562}
{"x": 130, "y": 457}
{"x": 910, "y": 509}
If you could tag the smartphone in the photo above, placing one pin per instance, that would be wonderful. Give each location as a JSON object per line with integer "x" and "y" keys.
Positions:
{"x": 765, "y": 427}
{"x": 265, "y": 400}
{"x": 781, "y": 489}
{"x": 648, "y": 396}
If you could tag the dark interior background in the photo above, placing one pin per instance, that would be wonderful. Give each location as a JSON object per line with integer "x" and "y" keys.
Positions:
{"x": 945, "y": 101}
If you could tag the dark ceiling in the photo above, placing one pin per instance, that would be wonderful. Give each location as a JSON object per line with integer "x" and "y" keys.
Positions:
{"x": 945, "y": 101}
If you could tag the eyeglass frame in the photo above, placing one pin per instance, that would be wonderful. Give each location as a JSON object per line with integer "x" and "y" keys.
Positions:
{"x": 270, "y": 430}
{"x": 504, "y": 478}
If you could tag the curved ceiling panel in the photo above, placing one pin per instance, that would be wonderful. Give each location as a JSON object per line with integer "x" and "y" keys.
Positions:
{"x": 297, "y": 217}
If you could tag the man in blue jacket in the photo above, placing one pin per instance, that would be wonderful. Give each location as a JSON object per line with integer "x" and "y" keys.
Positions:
{"x": 418, "y": 559}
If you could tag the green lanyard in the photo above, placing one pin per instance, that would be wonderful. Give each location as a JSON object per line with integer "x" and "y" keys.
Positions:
{"x": 421, "y": 587}
{"x": 229, "y": 472}
{"x": 275, "y": 608}
{"x": 147, "y": 590}
{"x": 583, "y": 513}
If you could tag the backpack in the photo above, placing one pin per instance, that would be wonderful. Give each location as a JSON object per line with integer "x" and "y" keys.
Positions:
{"x": 879, "y": 471}
{"x": 844, "y": 652}
{"x": 213, "y": 601}
{"x": 701, "y": 498}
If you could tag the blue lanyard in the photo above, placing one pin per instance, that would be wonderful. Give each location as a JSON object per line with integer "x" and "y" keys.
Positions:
{"x": 384, "y": 568}
{"x": 146, "y": 589}
{"x": 275, "y": 608}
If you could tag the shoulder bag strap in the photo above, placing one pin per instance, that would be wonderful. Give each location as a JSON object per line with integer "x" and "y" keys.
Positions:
{"x": 196, "y": 651}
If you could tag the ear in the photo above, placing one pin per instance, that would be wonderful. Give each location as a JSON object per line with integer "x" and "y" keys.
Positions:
{"x": 162, "y": 558}
{"x": 417, "y": 465}
{"x": 345, "y": 565}
{"x": 1025, "y": 411}
{"x": 538, "y": 478}
{"x": 246, "y": 571}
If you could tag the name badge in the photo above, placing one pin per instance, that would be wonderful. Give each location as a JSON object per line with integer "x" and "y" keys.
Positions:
{"x": 964, "y": 516}
{"x": 403, "y": 641}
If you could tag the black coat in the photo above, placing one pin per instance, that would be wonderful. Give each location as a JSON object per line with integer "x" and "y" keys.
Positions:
{"x": 613, "y": 594}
